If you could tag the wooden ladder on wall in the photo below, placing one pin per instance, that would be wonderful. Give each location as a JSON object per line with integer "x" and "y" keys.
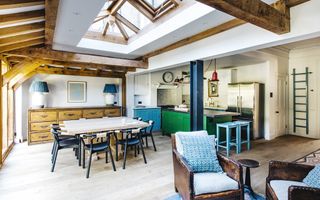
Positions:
{"x": 301, "y": 100}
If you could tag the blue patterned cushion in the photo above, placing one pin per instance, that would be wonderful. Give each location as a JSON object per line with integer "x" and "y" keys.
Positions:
{"x": 313, "y": 178}
{"x": 200, "y": 153}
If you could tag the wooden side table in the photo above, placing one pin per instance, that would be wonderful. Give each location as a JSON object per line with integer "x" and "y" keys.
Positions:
{"x": 248, "y": 164}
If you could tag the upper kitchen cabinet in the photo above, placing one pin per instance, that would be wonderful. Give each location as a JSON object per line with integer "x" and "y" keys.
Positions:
{"x": 141, "y": 84}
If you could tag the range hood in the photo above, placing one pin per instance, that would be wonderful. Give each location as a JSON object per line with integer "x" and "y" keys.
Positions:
{"x": 167, "y": 86}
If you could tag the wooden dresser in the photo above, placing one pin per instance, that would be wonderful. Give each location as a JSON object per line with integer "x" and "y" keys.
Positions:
{"x": 40, "y": 120}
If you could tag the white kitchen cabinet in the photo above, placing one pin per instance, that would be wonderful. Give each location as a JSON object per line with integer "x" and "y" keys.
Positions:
{"x": 141, "y": 84}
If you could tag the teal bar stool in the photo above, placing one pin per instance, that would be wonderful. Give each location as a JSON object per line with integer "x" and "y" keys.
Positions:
{"x": 245, "y": 124}
{"x": 228, "y": 143}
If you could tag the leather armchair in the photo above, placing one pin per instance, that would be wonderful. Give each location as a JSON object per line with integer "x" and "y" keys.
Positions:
{"x": 183, "y": 178}
{"x": 290, "y": 172}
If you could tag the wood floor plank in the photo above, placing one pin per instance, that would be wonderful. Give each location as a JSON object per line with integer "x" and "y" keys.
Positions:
{"x": 26, "y": 172}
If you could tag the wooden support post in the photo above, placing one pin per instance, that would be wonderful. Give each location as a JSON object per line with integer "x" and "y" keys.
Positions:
{"x": 196, "y": 95}
{"x": 1, "y": 132}
{"x": 124, "y": 95}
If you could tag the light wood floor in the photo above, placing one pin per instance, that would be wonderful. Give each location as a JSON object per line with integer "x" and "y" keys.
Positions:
{"x": 26, "y": 172}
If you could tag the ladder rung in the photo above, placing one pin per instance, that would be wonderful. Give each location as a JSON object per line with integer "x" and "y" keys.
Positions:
{"x": 300, "y": 96}
{"x": 301, "y": 104}
{"x": 300, "y": 81}
{"x": 300, "y": 119}
{"x": 301, "y": 126}
{"x": 299, "y": 73}
{"x": 300, "y": 111}
{"x": 300, "y": 88}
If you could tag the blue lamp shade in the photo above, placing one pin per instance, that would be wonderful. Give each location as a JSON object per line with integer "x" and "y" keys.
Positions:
{"x": 39, "y": 86}
{"x": 110, "y": 88}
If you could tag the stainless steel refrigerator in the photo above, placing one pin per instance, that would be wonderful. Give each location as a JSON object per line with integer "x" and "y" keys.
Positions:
{"x": 248, "y": 100}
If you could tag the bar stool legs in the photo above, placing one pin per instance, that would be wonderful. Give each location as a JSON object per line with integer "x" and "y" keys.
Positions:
{"x": 228, "y": 143}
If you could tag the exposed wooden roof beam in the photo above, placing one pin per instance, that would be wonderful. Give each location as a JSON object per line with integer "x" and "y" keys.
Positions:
{"x": 48, "y": 54}
{"x": 127, "y": 23}
{"x": 21, "y": 29}
{"x": 105, "y": 30}
{"x": 21, "y": 17}
{"x": 21, "y": 45}
{"x": 292, "y": 3}
{"x": 7, "y": 4}
{"x": 142, "y": 9}
{"x": 22, "y": 79}
{"x": 19, "y": 71}
{"x": 122, "y": 30}
{"x": 207, "y": 33}
{"x": 21, "y": 38}
{"x": 116, "y": 6}
{"x": 107, "y": 37}
{"x": 254, "y": 11}
{"x": 51, "y": 7}
{"x": 75, "y": 72}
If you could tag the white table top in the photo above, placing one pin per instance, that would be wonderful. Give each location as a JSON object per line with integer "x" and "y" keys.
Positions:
{"x": 73, "y": 127}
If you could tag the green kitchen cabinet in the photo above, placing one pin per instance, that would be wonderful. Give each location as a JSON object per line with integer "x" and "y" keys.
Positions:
{"x": 174, "y": 121}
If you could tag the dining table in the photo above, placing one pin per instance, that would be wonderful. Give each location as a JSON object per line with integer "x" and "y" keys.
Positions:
{"x": 98, "y": 125}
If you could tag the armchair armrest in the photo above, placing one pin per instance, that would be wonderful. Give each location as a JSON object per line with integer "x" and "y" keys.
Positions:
{"x": 279, "y": 170}
{"x": 302, "y": 193}
{"x": 183, "y": 175}
{"x": 232, "y": 168}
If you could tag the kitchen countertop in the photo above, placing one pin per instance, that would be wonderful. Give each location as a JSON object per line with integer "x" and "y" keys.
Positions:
{"x": 210, "y": 113}
{"x": 145, "y": 107}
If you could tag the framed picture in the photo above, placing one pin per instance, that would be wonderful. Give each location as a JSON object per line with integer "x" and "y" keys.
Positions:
{"x": 213, "y": 88}
{"x": 77, "y": 91}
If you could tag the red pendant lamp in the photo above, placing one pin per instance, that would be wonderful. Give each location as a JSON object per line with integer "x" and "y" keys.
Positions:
{"x": 215, "y": 73}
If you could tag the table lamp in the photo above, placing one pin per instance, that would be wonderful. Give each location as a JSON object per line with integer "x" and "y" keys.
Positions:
{"x": 109, "y": 91}
{"x": 39, "y": 89}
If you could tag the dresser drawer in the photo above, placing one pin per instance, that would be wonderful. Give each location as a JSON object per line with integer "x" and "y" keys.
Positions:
{"x": 92, "y": 113}
{"x": 70, "y": 115}
{"x": 39, "y": 137}
{"x": 113, "y": 112}
{"x": 43, "y": 116}
{"x": 41, "y": 126}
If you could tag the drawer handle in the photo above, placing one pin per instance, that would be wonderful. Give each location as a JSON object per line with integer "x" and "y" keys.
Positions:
{"x": 44, "y": 136}
{"x": 70, "y": 114}
{"x": 93, "y": 113}
{"x": 44, "y": 126}
{"x": 44, "y": 116}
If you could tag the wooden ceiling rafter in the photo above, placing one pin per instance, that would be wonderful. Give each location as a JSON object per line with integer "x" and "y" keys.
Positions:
{"x": 29, "y": 43}
{"x": 48, "y": 54}
{"x": 51, "y": 7}
{"x": 11, "y": 19}
{"x": 9, "y": 4}
{"x": 21, "y": 38}
{"x": 21, "y": 29}
{"x": 122, "y": 30}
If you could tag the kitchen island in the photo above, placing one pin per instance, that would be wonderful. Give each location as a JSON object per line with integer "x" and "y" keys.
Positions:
{"x": 174, "y": 121}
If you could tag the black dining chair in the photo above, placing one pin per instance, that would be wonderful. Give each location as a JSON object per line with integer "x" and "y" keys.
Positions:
{"x": 63, "y": 143}
{"x": 130, "y": 139}
{"x": 147, "y": 132}
{"x": 57, "y": 127}
{"x": 102, "y": 145}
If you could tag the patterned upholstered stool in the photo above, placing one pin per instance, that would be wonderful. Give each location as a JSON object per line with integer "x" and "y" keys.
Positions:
{"x": 245, "y": 124}
{"x": 229, "y": 142}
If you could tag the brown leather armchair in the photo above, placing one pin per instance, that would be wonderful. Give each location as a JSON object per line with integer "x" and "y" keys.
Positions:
{"x": 290, "y": 172}
{"x": 183, "y": 178}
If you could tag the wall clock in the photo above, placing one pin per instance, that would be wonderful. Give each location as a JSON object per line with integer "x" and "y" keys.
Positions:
{"x": 167, "y": 77}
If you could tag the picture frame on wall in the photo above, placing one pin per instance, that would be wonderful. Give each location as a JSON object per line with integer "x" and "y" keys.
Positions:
{"x": 213, "y": 89}
{"x": 77, "y": 91}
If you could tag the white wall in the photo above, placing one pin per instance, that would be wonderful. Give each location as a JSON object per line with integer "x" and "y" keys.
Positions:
{"x": 57, "y": 96}
{"x": 300, "y": 59}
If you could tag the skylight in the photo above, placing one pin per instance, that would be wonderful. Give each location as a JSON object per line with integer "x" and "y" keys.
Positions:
{"x": 156, "y": 3}
{"x": 123, "y": 19}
